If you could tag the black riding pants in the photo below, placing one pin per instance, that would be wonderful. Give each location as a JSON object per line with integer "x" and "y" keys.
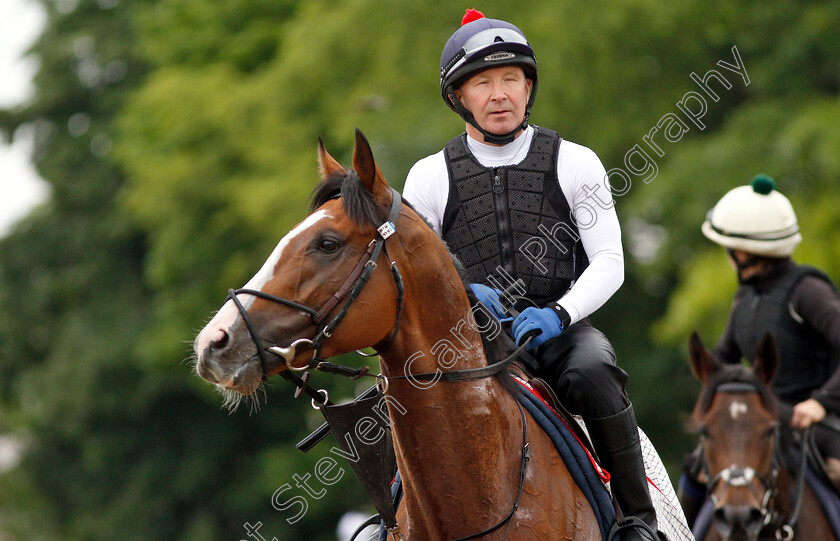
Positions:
{"x": 580, "y": 365}
{"x": 828, "y": 442}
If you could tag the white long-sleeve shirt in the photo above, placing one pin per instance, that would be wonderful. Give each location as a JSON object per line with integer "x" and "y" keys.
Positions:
{"x": 583, "y": 181}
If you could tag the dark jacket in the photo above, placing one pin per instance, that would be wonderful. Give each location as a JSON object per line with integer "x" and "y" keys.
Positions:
{"x": 800, "y": 306}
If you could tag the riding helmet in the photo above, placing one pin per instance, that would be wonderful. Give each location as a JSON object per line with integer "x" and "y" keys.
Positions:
{"x": 756, "y": 219}
{"x": 480, "y": 44}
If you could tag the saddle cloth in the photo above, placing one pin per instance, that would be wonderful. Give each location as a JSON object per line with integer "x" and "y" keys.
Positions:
{"x": 669, "y": 514}
{"x": 591, "y": 479}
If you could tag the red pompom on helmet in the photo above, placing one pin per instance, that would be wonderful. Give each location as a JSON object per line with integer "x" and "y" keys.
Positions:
{"x": 471, "y": 15}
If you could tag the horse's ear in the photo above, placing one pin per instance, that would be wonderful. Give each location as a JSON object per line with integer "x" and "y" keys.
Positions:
{"x": 766, "y": 359}
{"x": 328, "y": 164}
{"x": 367, "y": 169}
{"x": 703, "y": 363}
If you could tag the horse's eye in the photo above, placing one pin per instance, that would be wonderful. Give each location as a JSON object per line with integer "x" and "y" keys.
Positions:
{"x": 328, "y": 246}
{"x": 704, "y": 432}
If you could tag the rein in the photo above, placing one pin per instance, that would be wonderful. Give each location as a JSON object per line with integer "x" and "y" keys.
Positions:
{"x": 526, "y": 457}
{"x": 350, "y": 290}
{"x": 735, "y": 476}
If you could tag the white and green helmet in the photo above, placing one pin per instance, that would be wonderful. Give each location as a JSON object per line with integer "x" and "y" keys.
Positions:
{"x": 756, "y": 219}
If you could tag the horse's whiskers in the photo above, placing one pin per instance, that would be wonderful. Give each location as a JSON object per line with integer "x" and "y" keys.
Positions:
{"x": 191, "y": 360}
{"x": 232, "y": 399}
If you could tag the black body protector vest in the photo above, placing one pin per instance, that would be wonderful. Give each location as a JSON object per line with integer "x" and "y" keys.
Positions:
{"x": 513, "y": 220}
{"x": 806, "y": 359}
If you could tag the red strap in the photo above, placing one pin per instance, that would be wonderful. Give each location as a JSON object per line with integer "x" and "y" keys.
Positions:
{"x": 602, "y": 473}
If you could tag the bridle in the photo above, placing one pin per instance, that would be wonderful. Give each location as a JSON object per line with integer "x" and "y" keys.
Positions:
{"x": 349, "y": 292}
{"x": 737, "y": 476}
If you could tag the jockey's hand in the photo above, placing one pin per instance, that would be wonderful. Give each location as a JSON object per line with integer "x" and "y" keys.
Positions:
{"x": 542, "y": 319}
{"x": 807, "y": 413}
{"x": 489, "y": 297}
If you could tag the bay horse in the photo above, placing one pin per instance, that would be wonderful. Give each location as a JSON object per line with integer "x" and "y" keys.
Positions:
{"x": 459, "y": 445}
{"x": 755, "y": 492}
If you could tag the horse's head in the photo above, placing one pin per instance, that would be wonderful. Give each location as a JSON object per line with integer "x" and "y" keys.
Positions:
{"x": 736, "y": 418}
{"x": 269, "y": 325}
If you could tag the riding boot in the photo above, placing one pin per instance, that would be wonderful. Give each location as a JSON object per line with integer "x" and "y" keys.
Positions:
{"x": 616, "y": 441}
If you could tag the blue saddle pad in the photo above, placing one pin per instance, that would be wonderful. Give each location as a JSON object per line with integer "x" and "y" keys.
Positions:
{"x": 573, "y": 454}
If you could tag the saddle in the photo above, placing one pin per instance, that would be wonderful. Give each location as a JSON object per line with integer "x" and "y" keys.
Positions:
{"x": 544, "y": 391}
{"x": 525, "y": 368}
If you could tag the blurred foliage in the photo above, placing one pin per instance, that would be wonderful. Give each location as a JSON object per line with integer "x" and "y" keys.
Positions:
{"x": 179, "y": 138}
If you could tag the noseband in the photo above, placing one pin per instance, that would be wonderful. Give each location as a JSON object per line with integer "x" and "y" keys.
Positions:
{"x": 350, "y": 289}
{"x": 736, "y": 476}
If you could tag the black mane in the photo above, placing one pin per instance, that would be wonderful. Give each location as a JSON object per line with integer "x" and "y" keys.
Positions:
{"x": 496, "y": 349}
{"x": 358, "y": 202}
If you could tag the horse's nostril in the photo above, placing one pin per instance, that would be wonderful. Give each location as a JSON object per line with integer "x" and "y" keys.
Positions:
{"x": 756, "y": 517}
{"x": 741, "y": 518}
{"x": 219, "y": 341}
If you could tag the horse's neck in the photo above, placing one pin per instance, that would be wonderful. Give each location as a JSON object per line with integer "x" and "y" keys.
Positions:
{"x": 437, "y": 343}
{"x": 466, "y": 433}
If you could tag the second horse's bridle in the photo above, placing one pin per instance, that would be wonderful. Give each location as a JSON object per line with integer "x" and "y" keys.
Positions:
{"x": 736, "y": 476}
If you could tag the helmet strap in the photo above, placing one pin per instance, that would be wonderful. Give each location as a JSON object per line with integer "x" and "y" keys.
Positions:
{"x": 491, "y": 138}
{"x": 741, "y": 265}
{"x": 755, "y": 262}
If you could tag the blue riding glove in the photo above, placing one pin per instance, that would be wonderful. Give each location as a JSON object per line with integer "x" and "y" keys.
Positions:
{"x": 545, "y": 320}
{"x": 489, "y": 297}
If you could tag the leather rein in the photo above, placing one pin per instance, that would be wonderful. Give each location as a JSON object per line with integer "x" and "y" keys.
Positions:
{"x": 349, "y": 292}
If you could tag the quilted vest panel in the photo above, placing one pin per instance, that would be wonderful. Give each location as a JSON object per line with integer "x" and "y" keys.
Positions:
{"x": 513, "y": 218}
{"x": 805, "y": 357}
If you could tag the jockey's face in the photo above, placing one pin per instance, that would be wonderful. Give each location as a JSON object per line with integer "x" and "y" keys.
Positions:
{"x": 746, "y": 264}
{"x": 497, "y": 98}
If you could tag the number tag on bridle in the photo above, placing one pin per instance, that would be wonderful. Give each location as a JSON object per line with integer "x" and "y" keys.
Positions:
{"x": 386, "y": 230}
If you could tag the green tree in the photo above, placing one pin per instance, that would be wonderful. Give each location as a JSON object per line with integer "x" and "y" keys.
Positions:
{"x": 179, "y": 138}
{"x": 121, "y": 438}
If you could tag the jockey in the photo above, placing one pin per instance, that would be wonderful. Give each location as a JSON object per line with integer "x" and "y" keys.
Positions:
{"x": 515, "y": 201}
{"x": 797, "y": 304}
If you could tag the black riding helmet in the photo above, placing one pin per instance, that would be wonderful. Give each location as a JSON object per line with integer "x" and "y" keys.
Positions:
{"x": 480, "y": 44}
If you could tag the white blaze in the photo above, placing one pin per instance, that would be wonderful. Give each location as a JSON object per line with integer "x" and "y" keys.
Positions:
{"x": 228, "y": 313}
{"x": 736, "y": 409}
{"x": 266, "y": 273}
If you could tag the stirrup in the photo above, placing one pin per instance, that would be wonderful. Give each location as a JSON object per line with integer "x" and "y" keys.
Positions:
{"x": 631, "y": 523}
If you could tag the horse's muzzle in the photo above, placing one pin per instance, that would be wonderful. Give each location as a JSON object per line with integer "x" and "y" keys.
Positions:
{"x": 738, "y": 523}
{"x": 228, "y": 360}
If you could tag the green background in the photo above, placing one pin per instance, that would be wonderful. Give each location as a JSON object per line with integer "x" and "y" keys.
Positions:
{"x": 201, "y": 152}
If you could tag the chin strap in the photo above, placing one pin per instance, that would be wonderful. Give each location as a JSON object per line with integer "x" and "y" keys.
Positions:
{"x": 488, "y": 137}
{"x": 742, "y": 266}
